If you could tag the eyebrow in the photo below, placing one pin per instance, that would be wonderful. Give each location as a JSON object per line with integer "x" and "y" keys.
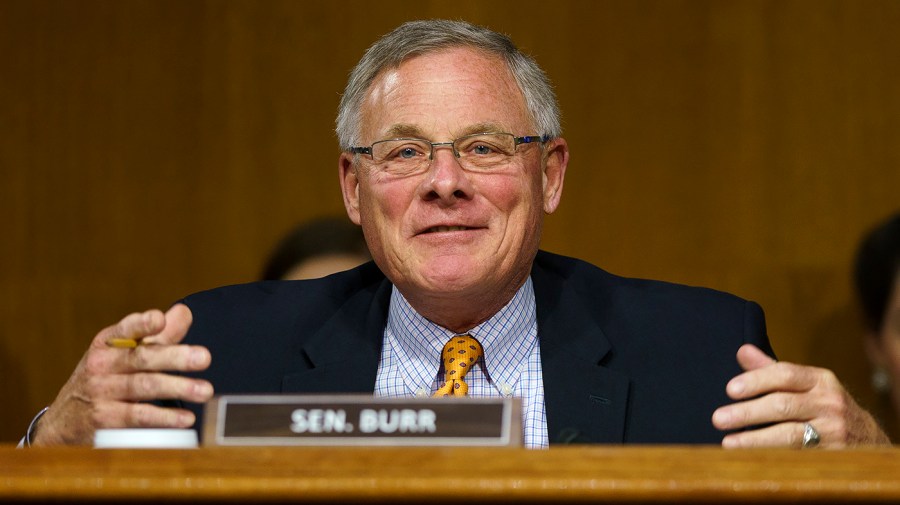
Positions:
{"x": 402, "y": 130}
{"x": 484, "y": 128}
{"x": 405, "y": 130}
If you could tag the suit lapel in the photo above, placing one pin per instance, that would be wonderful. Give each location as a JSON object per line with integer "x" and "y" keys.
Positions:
{"x": 585, "y": 401}
{"x": 342, "y": 355}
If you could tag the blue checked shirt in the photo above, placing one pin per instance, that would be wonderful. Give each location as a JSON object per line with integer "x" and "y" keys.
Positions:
{"x": 411, "y": 357}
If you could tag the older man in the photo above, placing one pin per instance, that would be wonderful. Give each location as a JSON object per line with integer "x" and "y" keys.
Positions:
{"x": 452, "y": 155}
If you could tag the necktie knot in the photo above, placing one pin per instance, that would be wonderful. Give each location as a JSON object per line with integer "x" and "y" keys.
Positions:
{"x": 459, "y": 355}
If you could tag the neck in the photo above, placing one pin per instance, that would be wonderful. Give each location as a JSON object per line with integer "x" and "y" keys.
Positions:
{"x": 460, "y": 312}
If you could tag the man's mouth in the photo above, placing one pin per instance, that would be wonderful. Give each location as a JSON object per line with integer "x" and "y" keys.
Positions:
{"x": 438, "y": 229}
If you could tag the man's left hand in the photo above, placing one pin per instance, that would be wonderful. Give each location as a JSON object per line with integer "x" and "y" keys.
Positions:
{"x": 777, "y": 399}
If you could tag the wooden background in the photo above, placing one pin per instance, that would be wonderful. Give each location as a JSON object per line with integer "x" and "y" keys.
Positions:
{"x": 149, "y": 149}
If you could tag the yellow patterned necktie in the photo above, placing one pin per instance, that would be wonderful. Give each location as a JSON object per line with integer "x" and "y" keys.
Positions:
{"x": 459, "y": 355}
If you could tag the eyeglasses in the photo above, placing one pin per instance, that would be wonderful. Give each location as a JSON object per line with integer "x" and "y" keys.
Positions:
{"x": 481, "y": 152}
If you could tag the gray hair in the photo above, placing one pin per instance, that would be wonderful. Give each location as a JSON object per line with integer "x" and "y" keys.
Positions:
{"x": 420, "y": 37}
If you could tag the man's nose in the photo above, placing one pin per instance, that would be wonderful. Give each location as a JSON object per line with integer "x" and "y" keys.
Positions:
{"x": 446, "y": 179}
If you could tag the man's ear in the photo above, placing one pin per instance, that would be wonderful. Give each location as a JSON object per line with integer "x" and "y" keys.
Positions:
{"x": 349, "y": 185}
{"x": 556, "y": 159}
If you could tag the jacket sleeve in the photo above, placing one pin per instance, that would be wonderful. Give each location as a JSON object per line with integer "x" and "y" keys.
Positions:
{"x": 755, "y": 328}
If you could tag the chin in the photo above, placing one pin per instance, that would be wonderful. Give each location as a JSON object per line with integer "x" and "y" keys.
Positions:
{"x": 453, "y": 276}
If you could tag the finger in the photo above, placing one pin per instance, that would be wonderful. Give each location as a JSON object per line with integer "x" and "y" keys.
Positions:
{"x": 178, "y": 320}
{"x": 751, "y": 357}
{"x": 141, "y": 415}
{"x": 778, "y": 435}
{"x": 134, "y": 326}
{"x": 150, "y": 386}
{"x": 777, "y": 376}
{"x": 768, "y": 409}
{"x": 148, "y": 358}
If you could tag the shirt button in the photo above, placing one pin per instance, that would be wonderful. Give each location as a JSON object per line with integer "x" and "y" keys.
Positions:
{"x": 506, "y": 389}
{"x": 421, "y": 393}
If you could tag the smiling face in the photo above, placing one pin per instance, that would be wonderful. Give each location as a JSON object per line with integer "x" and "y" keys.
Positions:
{"x": 456, "y": 243}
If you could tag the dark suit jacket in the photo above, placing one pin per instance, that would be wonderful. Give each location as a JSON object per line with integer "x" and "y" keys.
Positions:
{"x": 624, "y": 360}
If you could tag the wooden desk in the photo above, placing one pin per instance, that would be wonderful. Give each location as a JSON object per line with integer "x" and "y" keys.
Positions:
{"x": 573, "y": 474}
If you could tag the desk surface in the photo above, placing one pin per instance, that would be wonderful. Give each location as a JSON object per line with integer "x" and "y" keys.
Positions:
{"x": 611, "y": 474}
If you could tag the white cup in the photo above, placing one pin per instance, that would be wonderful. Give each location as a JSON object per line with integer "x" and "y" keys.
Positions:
{"x": 145, "y": 438}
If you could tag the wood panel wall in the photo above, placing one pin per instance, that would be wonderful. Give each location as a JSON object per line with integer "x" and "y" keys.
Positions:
{"x": 149, "y": 149}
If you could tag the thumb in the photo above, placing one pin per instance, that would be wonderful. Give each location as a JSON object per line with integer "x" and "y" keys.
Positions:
{"x": 751, "y": 357}
{"x": 178, "y": 321}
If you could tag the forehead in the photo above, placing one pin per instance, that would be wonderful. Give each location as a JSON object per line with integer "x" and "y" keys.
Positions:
{"x": 444, "y": 94}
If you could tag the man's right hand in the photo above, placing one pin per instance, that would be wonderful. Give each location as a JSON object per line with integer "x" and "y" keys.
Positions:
{"x": 110, "y": 386}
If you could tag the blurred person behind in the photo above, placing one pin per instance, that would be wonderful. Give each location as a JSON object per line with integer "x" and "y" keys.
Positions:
{"x": 316, "y": 248}
{"x": 877, "y": 279}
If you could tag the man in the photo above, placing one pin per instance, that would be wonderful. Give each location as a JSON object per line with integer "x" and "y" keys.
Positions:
{"x": 452, "y": 154}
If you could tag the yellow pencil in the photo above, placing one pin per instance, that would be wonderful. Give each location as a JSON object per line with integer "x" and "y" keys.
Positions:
{"x": 123, "y": 343}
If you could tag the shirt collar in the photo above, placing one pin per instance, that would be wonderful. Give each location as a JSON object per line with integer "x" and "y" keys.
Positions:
{"x": 508, "y": 337}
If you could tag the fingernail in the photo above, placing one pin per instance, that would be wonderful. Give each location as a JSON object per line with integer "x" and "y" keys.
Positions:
{"x": 730, "y": 443}
{"x": 721, "y": 417}
{"x": 203, "y": 390}
{"x": 186, "y": 420}
{"x": 736, "y": 386}
{"x": 198, "y": 357}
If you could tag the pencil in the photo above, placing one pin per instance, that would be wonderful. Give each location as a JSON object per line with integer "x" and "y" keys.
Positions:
{"x": 123, "y": 343}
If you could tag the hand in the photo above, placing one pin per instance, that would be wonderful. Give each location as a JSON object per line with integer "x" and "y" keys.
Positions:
{"x": 109, "y": 385}
{"x": 783, "y": 397}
